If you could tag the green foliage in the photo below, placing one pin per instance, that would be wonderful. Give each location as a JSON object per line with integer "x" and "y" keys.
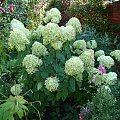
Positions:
{"x": 13, "y": 105}
{"x": 104, "y": 105}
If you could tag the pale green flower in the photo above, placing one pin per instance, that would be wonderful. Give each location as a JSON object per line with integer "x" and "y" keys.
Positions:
{"x": 88, "y": 58}
{"x": 39, "y": 31}
{"x": 52, "y": 84}
{"x": 38, "y": 49}
{"x": 116, "y": 54}
{"x": 31, "y": 62}
{"x": 18, "y": 39}
{"x": 99, "y": 53}
{"x": 53, "y": 15}
{"x": 16, "y": 89}
{"x": 109, "y": 78}
{"x": 92, "y": 44}
{"x": 74, "y": 66}
{"x": 19, "y": 25}
{"x": 75, "y": 23}
{"x": 57, "y": 45}
{"x": 68, "y": 33}
{"x": 51, "y": 33}
{"x": 79, "y": 44}
{"x": 105, "y": 61}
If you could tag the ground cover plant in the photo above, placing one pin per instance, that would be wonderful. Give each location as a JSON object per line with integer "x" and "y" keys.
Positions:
{"x": 56, "y": 72}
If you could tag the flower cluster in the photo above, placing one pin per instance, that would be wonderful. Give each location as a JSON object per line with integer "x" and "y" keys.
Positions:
{"x": 52, "y": 35}
{"x": 109, "y": 78}
{"x": 18, "y": 39}
{"x": 10, "y": 9}
{"x": 68, "y": 33}
{"x": 75, "y": 23}
{"x": 31, "y": 62}
{"x": 38, "y": 49}
{"x": 74, "y": 66}
{"x": 99, "y": 53}
{"x": 88, "y": 58}
{"x": 19, "y": 25}
{"x": 116, "y": 54}
{"x": 52, "y": 84}
{"x": 16, "y": 89}
{"x": 106, "y": 61}
{"x": 53, "y": 15}
{"x": 92, "y": 44}
{"x": 79, "y": 44}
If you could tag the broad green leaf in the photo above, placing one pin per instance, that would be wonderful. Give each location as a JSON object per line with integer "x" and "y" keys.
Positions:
{"x": 20, "y": 113}
{"x": 39, "y": 85}
{"x": 72, "y": 85}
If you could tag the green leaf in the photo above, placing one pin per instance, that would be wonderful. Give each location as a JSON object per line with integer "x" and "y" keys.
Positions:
{"x": 59, "y": 95}
{"x": 60, "y": 56}
{"x": 65, "y": 94}
{"x": 39, "y": 85}
{"x": 72, "y": 85}
{"x": 20, "y": 113}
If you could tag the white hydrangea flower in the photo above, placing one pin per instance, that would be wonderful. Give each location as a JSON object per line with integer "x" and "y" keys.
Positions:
{"x": 116, "y": 54}
{"x": 39, "y": 31}
{"x": 31, "y": 62}
{"x": 38, "y": 49}
{"x": 53, "y": 15}
{"x": 57, "y": 45}
{"x": 88, "y": 58}
{"x": 75, "y": 23}
{"x": 74, "y": 66}
{"x": 68, "y": 33}
{"x": 19, "y": 25}
{"x": 80, "y": 44}
{"x": 18, "y": 39}
{"x": 109, "y": 78}
{"x": 51, "y": 33}
{"x": 105, "y": 61}
{"x": 92, "y": 44}
{"x": 52, "y": 84}
{"x": 16, "y": 89}
{"x": 99, "y": 53}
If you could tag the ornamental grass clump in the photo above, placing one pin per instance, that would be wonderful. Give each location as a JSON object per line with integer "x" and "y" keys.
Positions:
{"x": 52, "y": 84}
{"x": 31, "y": 62}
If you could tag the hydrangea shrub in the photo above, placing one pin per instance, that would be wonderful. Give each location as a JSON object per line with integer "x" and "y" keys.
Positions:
{"x": 54, "y": 64}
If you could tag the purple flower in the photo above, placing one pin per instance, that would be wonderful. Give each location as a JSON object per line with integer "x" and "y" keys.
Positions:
{"x": 11, "y": 8}
{"x": 36, "y": 9}
{"x": 102, "y": 69}
{"x": 2, "y": 10}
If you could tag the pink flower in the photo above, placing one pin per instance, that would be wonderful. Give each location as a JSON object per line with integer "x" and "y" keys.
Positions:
{"x": 36, "y": 9}
{"x": 102, "y": 69}
{"x": 81, "y": 116}
{"x": 42, "y": 4}
{"x": 2, "y": 10}
{"x": 11, "y": 8}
